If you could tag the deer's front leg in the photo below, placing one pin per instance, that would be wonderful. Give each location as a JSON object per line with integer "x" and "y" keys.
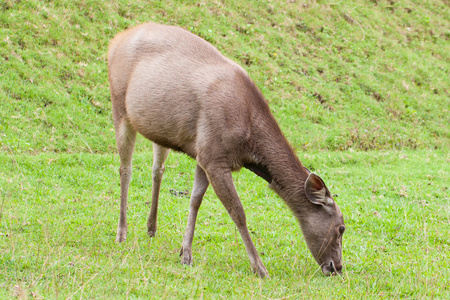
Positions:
{"x": 222, "y": 182}
{"x": 200, "y": 186}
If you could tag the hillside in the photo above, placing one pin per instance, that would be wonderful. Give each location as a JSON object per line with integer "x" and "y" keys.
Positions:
{"x": 360, "y": 88}
{"x": 338, "y": 74}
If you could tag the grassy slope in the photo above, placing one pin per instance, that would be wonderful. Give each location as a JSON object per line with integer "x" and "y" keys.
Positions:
{"x": 363, "y": 75}
{"x": 339, "y": 75}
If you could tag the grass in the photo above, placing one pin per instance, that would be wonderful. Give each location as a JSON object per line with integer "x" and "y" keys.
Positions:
{"x": 363, "y": 75}
{"x": 59, "y": 232}
{"x": 360, "y": 88}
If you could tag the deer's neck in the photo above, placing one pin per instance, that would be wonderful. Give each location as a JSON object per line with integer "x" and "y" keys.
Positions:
{"x": 276, "y": 162}
{"x": 272, "y": 157}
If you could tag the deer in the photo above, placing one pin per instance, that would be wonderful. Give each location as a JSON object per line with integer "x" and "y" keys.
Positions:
{"x": 178, "y": 91}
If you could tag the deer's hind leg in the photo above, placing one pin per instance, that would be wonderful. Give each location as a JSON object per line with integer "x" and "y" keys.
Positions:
{"x": 201, "y": 184}
{"x": 125, "y": 139}
{"x": 160, "y": 154}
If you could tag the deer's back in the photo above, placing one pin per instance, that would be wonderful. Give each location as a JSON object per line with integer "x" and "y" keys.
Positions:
{"x": 178, "y": 90}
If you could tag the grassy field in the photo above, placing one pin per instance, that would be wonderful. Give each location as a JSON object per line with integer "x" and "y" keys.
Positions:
{"x": 360, "y": 88}
{"x": 58, "y": 231}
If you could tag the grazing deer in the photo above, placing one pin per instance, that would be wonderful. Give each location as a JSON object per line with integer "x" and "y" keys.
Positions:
{"x": 180, "y": 92}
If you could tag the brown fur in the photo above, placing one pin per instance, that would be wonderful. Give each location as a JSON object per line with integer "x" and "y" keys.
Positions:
{"x": 178, "y": 91}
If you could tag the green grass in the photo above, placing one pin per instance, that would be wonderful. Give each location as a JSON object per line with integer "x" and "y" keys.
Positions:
{"x": 362, "y": 75}
{"x": 360, "y": 88}
{"x": 58, "y": 231}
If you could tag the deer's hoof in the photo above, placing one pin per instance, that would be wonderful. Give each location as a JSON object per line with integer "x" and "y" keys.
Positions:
{"x": 186, "y": 257}
{"x": 261, "y": 271}
{"x": 121, "y": 235}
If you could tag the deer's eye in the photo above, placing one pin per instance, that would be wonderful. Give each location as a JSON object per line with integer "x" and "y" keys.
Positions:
{"x": 341, "y": 230}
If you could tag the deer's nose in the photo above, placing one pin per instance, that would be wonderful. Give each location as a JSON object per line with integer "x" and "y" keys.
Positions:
{"x": 336, "y": 267}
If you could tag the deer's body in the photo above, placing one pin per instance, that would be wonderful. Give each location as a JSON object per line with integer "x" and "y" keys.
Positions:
{"x": 178, "y": 91}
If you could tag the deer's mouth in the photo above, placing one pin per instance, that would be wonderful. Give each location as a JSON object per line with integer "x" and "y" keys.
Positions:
{"x": 331, "y": 269}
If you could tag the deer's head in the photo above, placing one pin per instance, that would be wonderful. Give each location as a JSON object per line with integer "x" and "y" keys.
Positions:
{"x": 323, "y": 226}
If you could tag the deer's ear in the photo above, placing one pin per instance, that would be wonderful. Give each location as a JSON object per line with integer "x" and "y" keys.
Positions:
{"x": 316, "y": 190}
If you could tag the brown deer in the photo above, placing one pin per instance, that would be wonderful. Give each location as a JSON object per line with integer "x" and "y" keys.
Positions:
{"x": 180, "y": 92}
